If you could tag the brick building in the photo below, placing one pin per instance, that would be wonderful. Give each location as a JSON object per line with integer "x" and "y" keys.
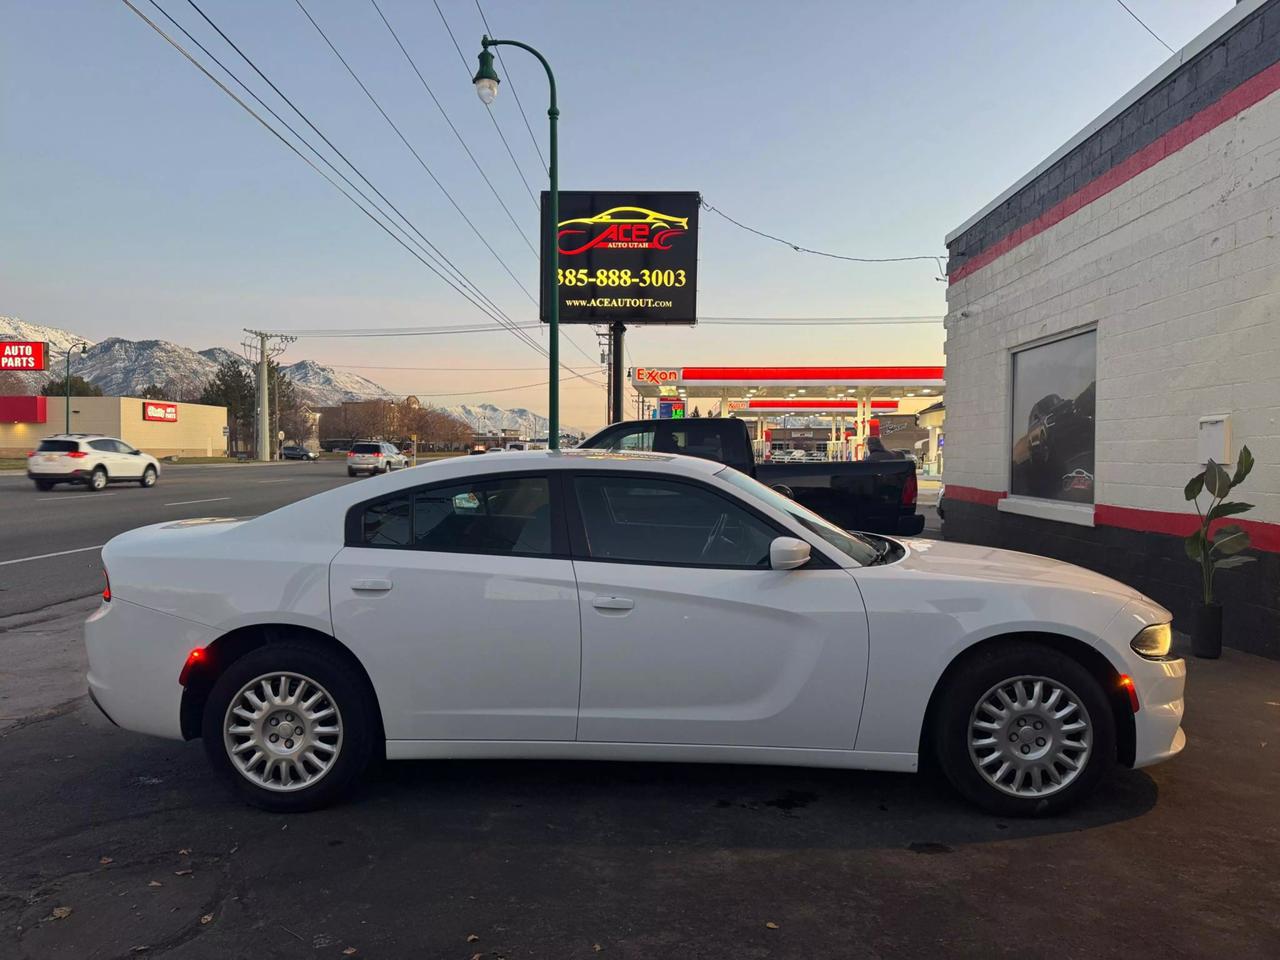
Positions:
{"x": 1122, "y": 291}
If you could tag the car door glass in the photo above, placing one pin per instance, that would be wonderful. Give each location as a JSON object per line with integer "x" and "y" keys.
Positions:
{"x": 103, "y": 446}
{"x": 388, "y": 523}
{"x": 651, "y": 520}
{"x": 694, "y": 439}
{"x": 501, "y": 516}
{"x": 629, "y": 438}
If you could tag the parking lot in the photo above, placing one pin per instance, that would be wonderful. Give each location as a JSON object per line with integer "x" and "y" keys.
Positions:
{"x": 118, "y": 845}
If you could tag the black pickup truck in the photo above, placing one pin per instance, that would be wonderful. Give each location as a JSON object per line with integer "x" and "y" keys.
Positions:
{"x": 878, "y": 496}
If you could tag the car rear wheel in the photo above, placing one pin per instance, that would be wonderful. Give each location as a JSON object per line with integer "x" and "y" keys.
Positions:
{"x": 1024, "y": 730}
{"x": 44, "y": 485}
{"x": 290, "y": 726}
{"x": 350, "y": 472}
{"x": 97, "y": 479}
{"x": 148, "y": 477}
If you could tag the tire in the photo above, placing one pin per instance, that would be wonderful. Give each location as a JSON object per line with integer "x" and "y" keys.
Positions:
{"x": 968, "y": 737}
{"x": 350, "y": 472}
{"x": 44, "y": 486}
{"x": 148, "y": 477}
{"x": 97, "y": 479}
{"x": 349, "y": 751}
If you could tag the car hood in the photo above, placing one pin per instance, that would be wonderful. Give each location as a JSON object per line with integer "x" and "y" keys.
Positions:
{"x": 993, "y": 565}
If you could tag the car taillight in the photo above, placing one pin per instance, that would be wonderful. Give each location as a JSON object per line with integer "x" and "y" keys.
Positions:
{"x": 106, "y": 590}
{"x": 351, "y": 453}
{"x": 909, "y": 490}
{"x": 194, "y": 659}
{"x": 378, "y": 454}
{"x": 76, "y": 454}
{"x": 31, "y": 453}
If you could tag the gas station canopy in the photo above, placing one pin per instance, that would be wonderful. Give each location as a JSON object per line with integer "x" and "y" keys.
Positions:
{"x": 789, "y": 383}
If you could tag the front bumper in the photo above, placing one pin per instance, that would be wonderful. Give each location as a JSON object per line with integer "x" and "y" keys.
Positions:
{"x": 1158, "y": 722}
{"x": 135, "y": 657}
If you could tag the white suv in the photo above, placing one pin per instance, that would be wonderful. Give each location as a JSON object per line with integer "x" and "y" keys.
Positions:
{"x": 374, "y": 456}
{"x": 91, "y": 460}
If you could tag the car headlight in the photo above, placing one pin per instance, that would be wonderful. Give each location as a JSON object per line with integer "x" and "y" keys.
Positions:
{"x": 1153, "y": 642}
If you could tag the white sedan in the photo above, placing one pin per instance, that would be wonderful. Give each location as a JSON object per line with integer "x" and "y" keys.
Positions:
{"x": 616, "y": 606}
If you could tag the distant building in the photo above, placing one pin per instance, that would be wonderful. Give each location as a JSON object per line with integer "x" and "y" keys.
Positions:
{"x": 158, "y": 427}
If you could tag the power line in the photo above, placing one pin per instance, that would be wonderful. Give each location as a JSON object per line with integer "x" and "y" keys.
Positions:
{"x": 357, "y": 333}
{"x": 467, "y": 70}
{"x": 473, "y": 393}
{"x": 405, "y": 140}
{"x": 373, "y": 366}
{"x": 511, "y": 84}
{"x": 818, "y": 321}
{"x": 1144, "y": 26}
{"x": 434, "y": 99}
{"x": 434, "y": 252}
{"x": 822, "y": 253}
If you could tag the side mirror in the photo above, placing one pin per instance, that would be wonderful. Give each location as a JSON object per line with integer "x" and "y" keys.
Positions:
{"x": 783, "y": 489}
{"x": 787, "y": 553}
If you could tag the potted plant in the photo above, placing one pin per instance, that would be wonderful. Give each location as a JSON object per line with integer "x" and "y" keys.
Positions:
{"x": 1216, "y": 549}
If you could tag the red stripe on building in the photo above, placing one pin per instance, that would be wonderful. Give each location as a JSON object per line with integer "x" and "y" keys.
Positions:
{"x": 798, "y": 374}
{"x": 1237, "y": 101}
{"x": 987, "y": 498}
{"x": 1263, "y": 535}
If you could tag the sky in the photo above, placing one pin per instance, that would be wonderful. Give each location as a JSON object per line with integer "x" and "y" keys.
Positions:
{"x": 137, "y": 200}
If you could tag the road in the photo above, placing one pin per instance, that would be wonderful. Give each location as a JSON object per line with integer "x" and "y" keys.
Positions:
{"x": 50, "y": 549}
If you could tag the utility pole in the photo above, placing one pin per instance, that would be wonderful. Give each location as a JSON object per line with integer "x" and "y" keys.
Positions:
{"x": 616, "y": 332}
{"x": 259, "y": 348}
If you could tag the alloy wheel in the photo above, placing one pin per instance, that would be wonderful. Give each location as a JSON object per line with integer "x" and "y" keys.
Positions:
{"x": 282, "y": 731}
{"x": 1030, "y": 736}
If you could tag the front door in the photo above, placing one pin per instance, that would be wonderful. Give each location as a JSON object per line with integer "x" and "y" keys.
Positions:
{"x": 460, "y": 600}
{"x": 689, "y": 637}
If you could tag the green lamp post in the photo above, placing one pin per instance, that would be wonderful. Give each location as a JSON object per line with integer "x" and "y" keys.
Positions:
{"x": 67, "y": 382}
{"x": 486, "y": 81}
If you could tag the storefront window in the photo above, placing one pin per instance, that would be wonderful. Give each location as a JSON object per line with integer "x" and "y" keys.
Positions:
{"x": 1053, "y": 413}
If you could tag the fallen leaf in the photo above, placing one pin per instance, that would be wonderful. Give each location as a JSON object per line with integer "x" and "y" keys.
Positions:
{"x": 185, "y": 851}
{"x": 141, "y": 948}
{"x": 771, "y": 925}
{"x": 183, "y": 873}
{"x": 596, "y": 947}
{"x": 472, "y": 938}
{"x": 207, "y": 918}
{"x": 477, "y": 956}
{"x": 105, "y": 860}
{"x": 350, "y": 952}
{"x": 59, "y": 913}
{"x": 155, "y": 883}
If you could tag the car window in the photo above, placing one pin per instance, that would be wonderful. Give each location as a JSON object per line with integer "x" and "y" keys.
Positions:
{"x": 366, "y": 448}
{"x": 506, "y": 516}
{"x": 849, "y": 544}
{"x": 105, "y": 446}
{"x": 122, "y": 447}
{"x": 388, "y": 523}
{"x": 57, "y": 446}
{"x": 659, "y": 521}
{"x": 693, "y": 438}
{"x": 635, "y": 437}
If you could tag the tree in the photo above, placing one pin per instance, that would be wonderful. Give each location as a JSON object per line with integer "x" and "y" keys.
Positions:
{"x": 80, "y": 387}
{"x": 12, "y": 385}
{"x": 153, "y": 392}
{"x": 183, "y": 388}
{"x": 289, "y": 410}
{"x": 231, "y": 387}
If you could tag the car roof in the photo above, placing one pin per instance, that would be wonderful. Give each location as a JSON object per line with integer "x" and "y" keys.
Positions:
{"x": 78, "y": 436}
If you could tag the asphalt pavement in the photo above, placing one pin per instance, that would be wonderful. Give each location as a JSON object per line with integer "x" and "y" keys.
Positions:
{"x": 50, "y": 542}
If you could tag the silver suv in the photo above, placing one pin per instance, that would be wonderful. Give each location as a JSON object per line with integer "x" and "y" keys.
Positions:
{"x": 374, "y": 456}
{"x": 89, "y": 459}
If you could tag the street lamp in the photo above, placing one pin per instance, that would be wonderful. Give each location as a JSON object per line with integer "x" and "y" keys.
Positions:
{"x": 486, "y": 81}
{"x": 67, "y": 380}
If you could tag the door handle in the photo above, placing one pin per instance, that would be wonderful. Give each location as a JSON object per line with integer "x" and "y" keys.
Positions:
{"x": 613, "y": 603}
{"x": 372, "y": 586}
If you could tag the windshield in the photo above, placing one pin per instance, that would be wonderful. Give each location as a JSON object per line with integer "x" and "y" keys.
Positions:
{"x": 851, "y": 545}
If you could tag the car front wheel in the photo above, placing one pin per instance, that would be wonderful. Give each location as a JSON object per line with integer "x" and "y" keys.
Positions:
{"x": 290, "y": 726}
{"x": 1024, "y": 730}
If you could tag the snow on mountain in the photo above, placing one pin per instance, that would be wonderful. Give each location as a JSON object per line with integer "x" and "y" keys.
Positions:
{"x": 487, "y": 418}
{"x": 326, "y": 386}
{"x": 123, "y": 367}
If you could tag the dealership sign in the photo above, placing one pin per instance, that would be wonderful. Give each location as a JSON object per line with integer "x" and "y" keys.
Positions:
{"x": 22, "y": 354}
{"x": 155, "y": 410}
{"x": 628, "y": 257}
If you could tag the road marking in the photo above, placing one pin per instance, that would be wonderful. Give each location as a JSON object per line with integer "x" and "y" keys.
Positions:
{"x": 46, "y": 556}
{"x": 69, "y": 499}
{"x": 284, "y": 480}
{"x": 187, "y": 503}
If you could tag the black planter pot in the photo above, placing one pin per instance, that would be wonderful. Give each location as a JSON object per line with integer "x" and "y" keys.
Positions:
{"x": 1206, "y": 641}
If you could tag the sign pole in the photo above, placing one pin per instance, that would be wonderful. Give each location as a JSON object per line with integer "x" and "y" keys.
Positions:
{"x": 616, "y": 331}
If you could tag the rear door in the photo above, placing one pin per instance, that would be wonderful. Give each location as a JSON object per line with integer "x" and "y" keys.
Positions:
{"x": 460, "y": 600}
{"x": 689, "y": 637}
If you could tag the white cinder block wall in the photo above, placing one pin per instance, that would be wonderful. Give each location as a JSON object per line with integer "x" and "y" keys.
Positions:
{"x": 1179, "y": 270}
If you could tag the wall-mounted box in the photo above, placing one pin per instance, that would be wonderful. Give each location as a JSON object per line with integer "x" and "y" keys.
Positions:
{"x": 1213, "y": 439}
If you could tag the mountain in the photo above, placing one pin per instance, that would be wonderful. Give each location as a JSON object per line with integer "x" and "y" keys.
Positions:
{"x": 486, "y": 418}
{"x": 125, "y": 367}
